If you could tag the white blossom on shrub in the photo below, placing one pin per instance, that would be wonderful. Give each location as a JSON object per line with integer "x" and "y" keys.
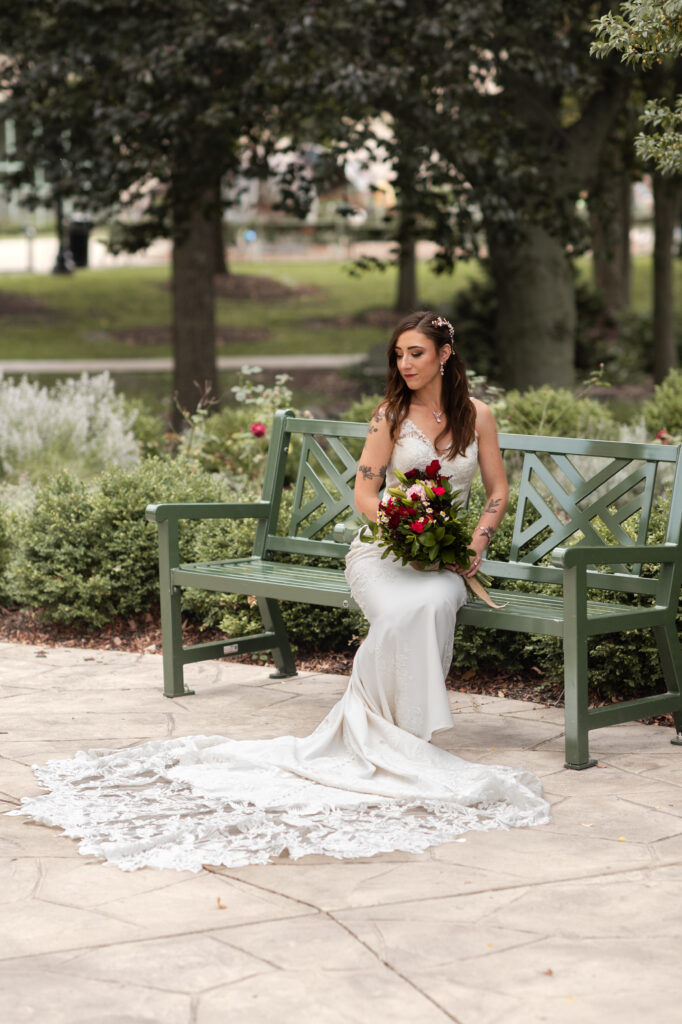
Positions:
{"x": 79, "y": 423}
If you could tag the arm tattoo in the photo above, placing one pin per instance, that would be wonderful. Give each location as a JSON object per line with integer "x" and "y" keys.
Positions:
{"x": 373, "y": 430}
{"x": 487, "y": 531}
{"x": 368, "y": 474}
{"x": 493, "y": 506}
{"x": 379, "y": 415}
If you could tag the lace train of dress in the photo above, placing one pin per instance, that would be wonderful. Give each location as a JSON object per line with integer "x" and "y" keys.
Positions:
{"x": 366, "y": 781}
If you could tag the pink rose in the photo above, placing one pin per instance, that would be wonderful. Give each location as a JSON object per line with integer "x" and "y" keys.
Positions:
{"x": 258, "y": 429}
{"x": 416, "y": 493}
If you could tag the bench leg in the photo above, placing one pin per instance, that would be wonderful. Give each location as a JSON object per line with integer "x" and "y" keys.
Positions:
{"x": 273, "y": 622}
{"x": 671, "y": 663}
{"x": 171, "y": 644}
{"x": 576, "y": 701}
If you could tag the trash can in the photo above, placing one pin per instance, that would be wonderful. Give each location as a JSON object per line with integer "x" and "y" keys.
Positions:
{"x": 79, "y": 233}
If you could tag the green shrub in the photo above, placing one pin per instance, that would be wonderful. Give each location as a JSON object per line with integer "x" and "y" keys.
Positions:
{"x": 621, "y": 665}
{"x": 6, "y": 545}
{"x": 85, "y": 553}
{"x": 482, "y": 648}
{"x": 664, "y": 410}
{"x": 223, "y": 442}
{"x": 556, "y": 412}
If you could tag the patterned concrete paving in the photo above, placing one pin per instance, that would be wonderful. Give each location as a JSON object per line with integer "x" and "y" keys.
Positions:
{"x": 575, "y": 921}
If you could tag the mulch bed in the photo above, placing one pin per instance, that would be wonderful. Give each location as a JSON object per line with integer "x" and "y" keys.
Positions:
{"x": 142, "y": 635}
{"x": 378, "y": 317}
{"x": 254, "y": 288}
{"x": 23, "y": 305}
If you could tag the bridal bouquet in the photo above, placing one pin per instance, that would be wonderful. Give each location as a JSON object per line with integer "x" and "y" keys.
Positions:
{"x": 421, "y": 521}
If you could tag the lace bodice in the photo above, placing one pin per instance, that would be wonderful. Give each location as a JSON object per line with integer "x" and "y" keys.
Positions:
{"x": 414, "y": 449}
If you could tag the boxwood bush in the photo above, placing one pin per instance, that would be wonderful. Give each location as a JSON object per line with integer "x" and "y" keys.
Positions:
{"x": 84, "y": 551}
{"x": 621, "y": 665}
{"x": 85, "y": 554}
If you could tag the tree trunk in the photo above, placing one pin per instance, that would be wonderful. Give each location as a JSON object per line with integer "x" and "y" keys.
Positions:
{"x": 666, "y": 214}
{"x": 610, "y": 223}
{"x": 406, "y": 299}
{"x": 219, "y": 250}
{"x": 536, "y": 319}
{"x": 193, "y": 312}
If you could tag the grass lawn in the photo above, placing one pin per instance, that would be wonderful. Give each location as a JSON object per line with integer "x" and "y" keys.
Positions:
{"x": 94, "y": 314}
{"x": 126, "y": 313}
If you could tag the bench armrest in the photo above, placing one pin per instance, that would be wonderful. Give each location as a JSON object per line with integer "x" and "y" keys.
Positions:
{"x": 208, "y": 510}
{"x": 582, "y": 555}
{"x": 344, "y": 533}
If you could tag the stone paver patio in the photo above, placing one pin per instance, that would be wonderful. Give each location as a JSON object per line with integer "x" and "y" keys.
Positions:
{"x": 575, "y": 921}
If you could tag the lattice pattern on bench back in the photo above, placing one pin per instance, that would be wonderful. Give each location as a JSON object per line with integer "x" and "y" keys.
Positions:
{"x": 323, "y": 492}
{"x": 599, "y": 492}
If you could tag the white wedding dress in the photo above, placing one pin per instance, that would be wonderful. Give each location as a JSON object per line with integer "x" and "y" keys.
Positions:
{"x": 366, "y": 781}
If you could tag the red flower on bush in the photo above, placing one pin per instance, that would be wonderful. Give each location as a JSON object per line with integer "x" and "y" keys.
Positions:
{"x": 432, "y": 469}
{"x": 418, "y": 527}
{"x": 258, "y": 429}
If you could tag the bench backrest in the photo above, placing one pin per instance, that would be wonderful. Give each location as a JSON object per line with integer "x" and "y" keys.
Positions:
{"x": 571, "y": 491}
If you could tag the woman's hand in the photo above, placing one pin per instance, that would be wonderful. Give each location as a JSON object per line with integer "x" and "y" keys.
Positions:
{"x": 474, "y": 566}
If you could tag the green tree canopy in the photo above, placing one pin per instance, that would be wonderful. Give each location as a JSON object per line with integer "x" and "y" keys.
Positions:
{"x": 648, "y": 34}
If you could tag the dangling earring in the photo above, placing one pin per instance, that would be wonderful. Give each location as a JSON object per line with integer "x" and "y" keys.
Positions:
{"x": 442, "y": 369}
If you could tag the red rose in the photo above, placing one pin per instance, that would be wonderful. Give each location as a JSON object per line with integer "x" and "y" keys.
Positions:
{"x": 258, "y": 429}
{"x": 411, "y": 474}
{"x": 432, "y": 469}
{"x": 417, "y": 527}
{"x": 438, "y": 491}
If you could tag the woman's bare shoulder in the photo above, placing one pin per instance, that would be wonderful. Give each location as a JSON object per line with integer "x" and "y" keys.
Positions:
{"x": 485, "y": 421}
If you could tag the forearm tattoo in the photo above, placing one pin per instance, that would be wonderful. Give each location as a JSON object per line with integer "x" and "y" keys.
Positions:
{"x": 487, "y": 531}
{"x": 369, "y": 474}
{"x": 493, "y": 506}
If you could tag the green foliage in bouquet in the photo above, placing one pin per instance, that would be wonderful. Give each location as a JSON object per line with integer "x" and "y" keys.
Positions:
{"x": 422, "y": 521}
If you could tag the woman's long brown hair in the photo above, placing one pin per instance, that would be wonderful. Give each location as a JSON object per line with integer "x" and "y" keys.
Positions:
{"x": 460, "y": 414}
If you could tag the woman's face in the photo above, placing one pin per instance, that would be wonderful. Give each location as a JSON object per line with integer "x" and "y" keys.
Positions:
{"x": 418, "y": 359}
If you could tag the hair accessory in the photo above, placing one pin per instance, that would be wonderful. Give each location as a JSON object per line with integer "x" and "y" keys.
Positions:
{"x": 440, "y": 321}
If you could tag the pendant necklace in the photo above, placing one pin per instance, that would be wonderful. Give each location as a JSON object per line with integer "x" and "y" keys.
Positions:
{"x": 437, "y": 415}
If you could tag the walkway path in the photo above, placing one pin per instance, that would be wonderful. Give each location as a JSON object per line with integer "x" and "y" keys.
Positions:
{"x": 315, "y": 361}
{"x": 576, "y": 921}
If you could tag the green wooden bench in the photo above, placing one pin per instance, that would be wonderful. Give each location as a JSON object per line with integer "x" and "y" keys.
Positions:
{"x": 582, "y": 522}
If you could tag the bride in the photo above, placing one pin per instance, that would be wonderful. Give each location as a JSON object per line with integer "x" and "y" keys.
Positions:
{"x": 367, "y": 780}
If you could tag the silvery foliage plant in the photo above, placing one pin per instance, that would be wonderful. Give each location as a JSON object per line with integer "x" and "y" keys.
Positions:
{"x": 79, "y": 424}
